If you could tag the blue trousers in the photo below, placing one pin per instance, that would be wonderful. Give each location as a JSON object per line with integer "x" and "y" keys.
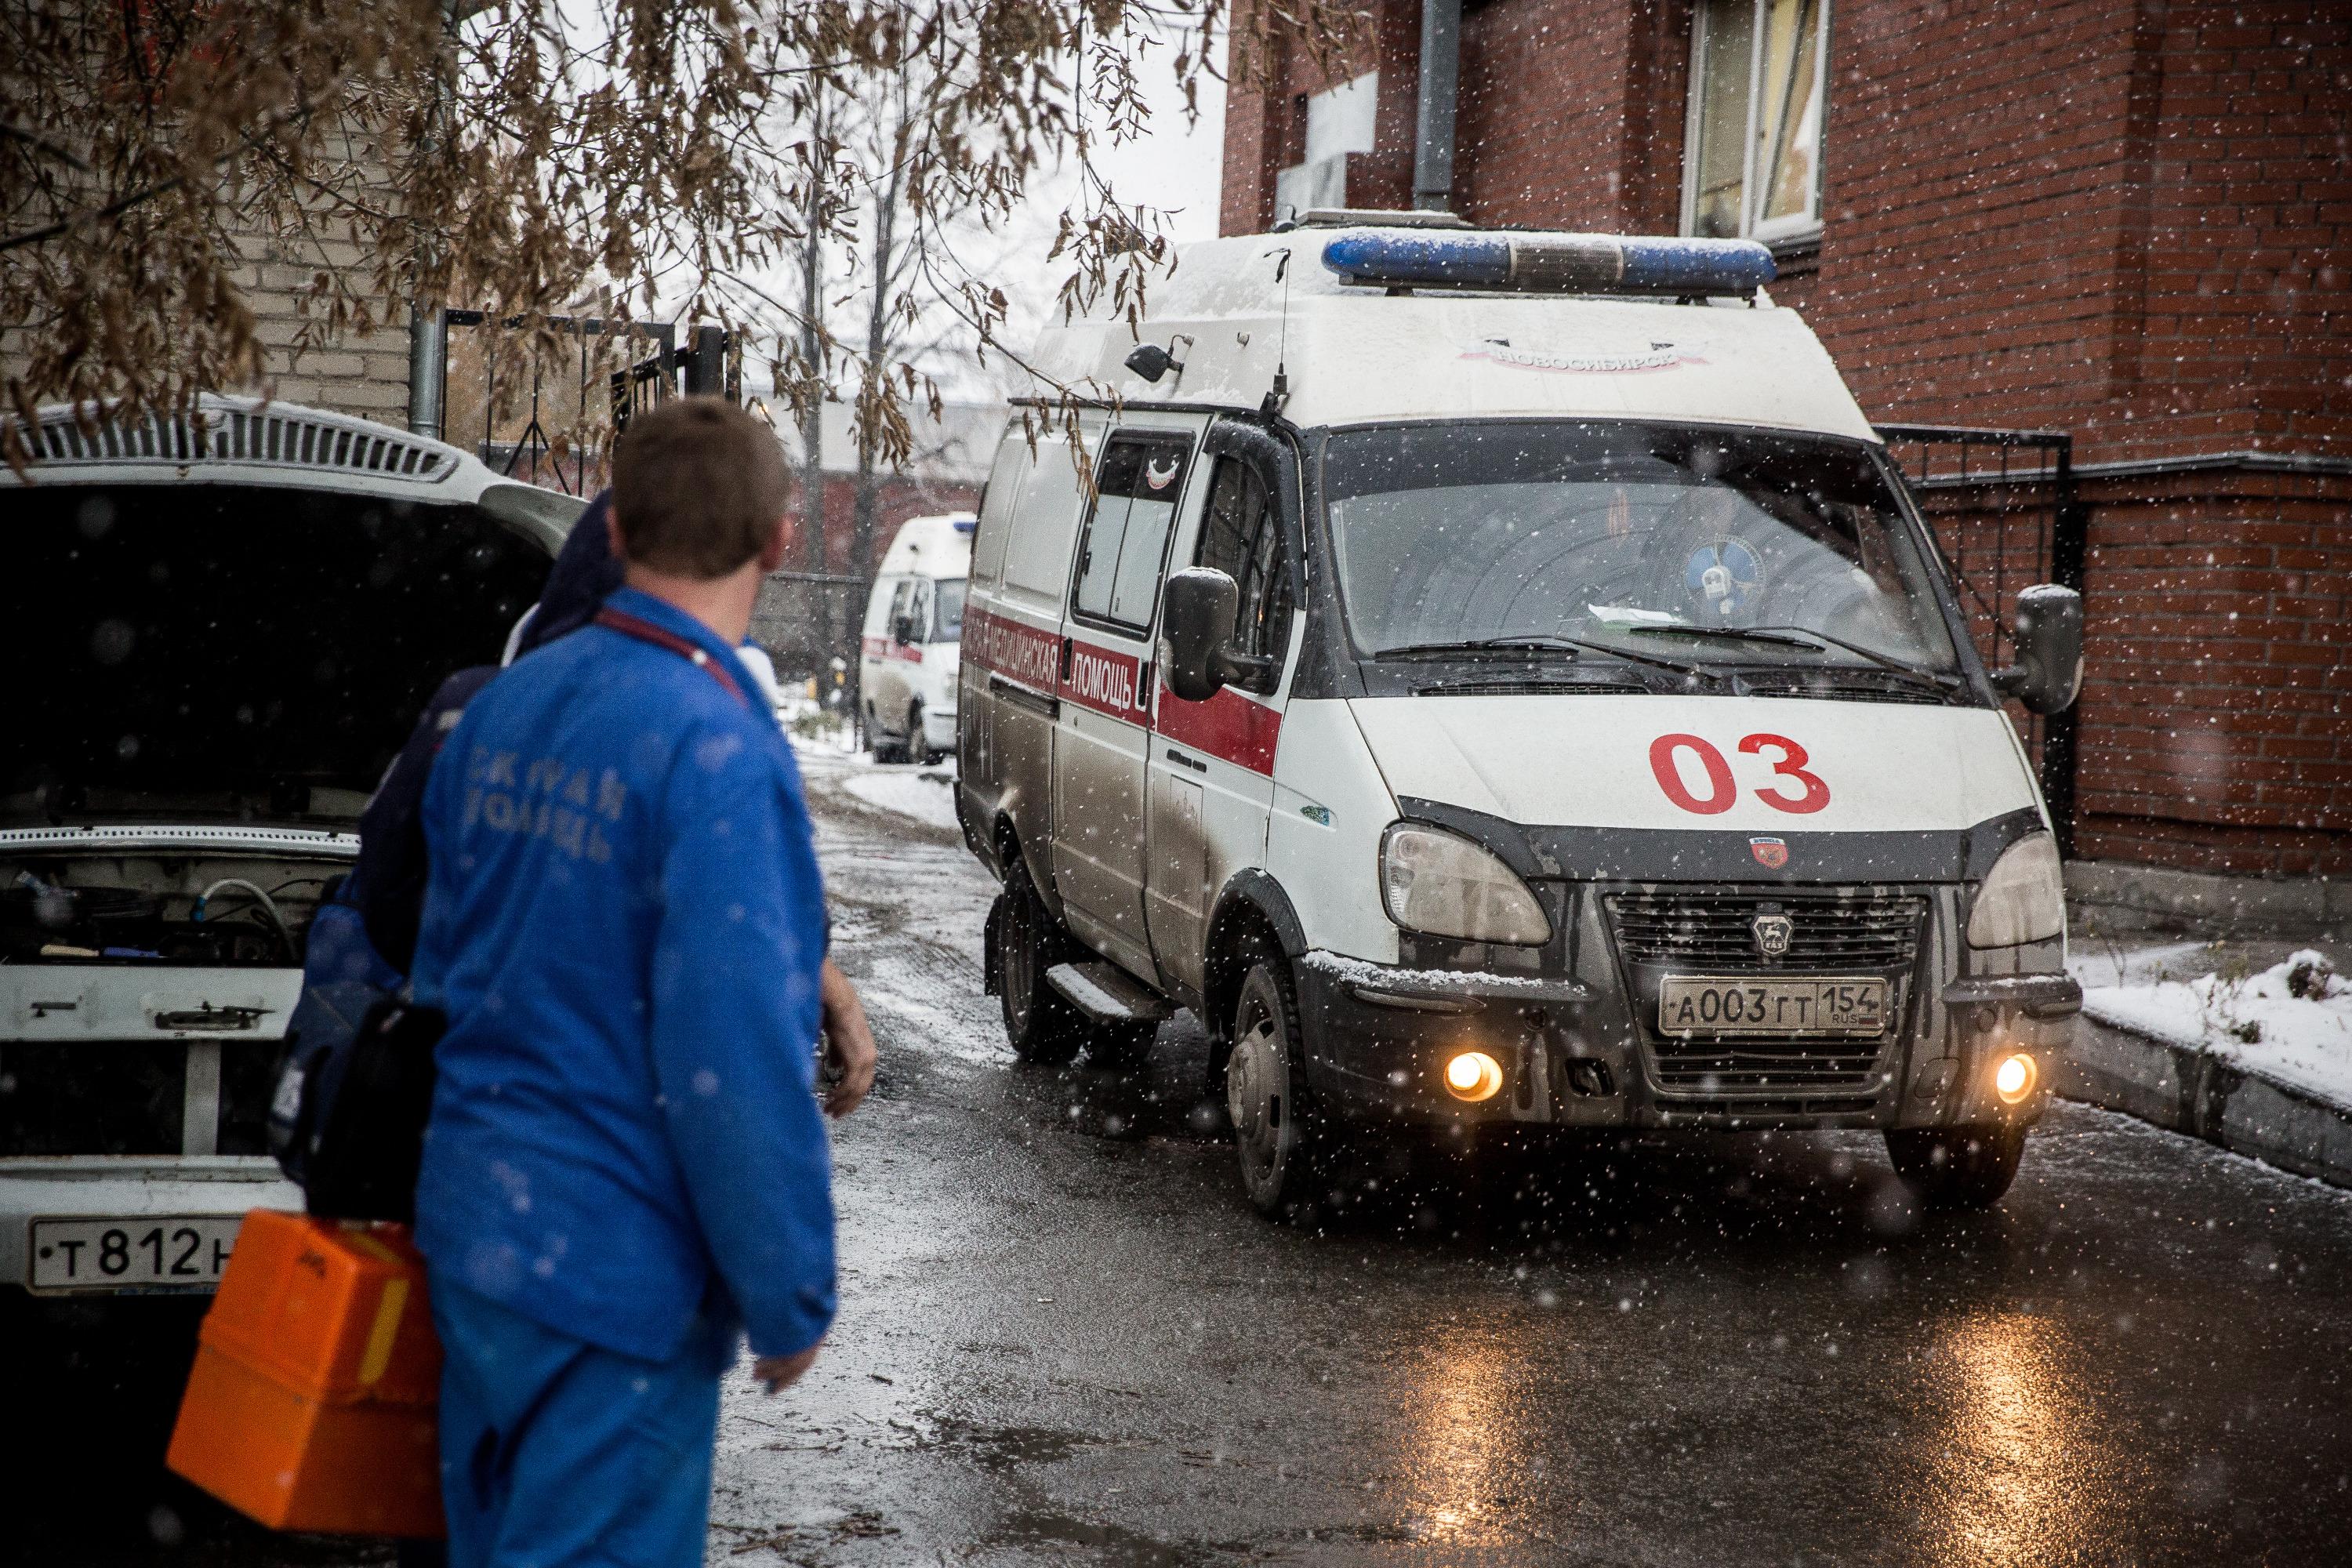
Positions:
{"x": 556, "y": 1452}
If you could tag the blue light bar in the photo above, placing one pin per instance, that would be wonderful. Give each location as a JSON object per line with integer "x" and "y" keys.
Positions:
{"x": 966, "y": 525}
{"x": 1551, "y": 264}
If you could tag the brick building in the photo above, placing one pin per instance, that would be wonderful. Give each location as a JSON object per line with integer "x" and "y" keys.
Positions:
{"x": 2130, "y": 220}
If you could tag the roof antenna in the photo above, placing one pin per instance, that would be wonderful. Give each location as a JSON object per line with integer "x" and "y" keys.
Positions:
{"x": 1276, "y": 400}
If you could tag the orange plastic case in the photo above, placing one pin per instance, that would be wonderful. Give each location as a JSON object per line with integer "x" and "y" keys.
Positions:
{"x": 311, "y": 1403}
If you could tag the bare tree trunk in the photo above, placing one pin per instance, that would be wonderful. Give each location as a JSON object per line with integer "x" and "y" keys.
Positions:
{"x": 878, "y": 320}
{"x": 812, "y": 540}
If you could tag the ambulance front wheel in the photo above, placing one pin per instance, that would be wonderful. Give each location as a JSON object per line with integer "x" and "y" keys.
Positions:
{"x": 919, "y": 746}
{"x": 1957, "y": 1167}
{"x": 1040, "y": 1023}
{"x": 886, "y": 750}
{"x": 1280, "y": 1134}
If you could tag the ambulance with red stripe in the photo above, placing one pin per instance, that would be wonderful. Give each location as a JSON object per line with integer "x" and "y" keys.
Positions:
{"x": 1498, "y": 680}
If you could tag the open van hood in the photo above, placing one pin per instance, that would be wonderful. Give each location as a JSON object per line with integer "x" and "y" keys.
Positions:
{"x": 1587, "y": 761}
{"x": 194, "y": 651}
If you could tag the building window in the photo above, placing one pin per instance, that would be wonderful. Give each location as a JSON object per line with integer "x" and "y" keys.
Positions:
{"x": 1754, "y": 164}
{"x": 1339, "y": 123}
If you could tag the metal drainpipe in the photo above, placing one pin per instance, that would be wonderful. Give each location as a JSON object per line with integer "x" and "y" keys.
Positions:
{"x": 427, "y": 345}
{"x": 1441, "y": 75}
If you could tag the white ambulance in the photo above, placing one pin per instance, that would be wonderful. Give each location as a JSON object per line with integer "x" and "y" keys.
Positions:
{"x": 1500, "y": 678}
{"x": 914, "y": 623}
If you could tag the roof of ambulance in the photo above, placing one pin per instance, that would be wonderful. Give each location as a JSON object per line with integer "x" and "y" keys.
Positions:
{"x": 932, "y": 546}
{"x": 1358, "y": 355}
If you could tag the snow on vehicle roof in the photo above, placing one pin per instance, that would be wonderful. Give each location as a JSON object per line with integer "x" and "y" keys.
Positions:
{"x": 1358, "y": 355}
{"x": 933, "y": 546}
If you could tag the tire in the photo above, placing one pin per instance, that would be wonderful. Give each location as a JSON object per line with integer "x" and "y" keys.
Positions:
{"x": 1280, "y": 1135}
{"x": 919, "y": 750}
{"x": 1957, "y": 1167}
{"x": 1040, "y": 1023}
{"x": 886, "y": 750}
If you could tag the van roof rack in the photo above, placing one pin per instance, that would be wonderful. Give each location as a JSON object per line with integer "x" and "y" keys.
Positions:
{"x": 1378, "y": 217}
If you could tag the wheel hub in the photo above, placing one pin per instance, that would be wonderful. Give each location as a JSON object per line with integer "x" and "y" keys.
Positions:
{"x": 1256, "y": 1084}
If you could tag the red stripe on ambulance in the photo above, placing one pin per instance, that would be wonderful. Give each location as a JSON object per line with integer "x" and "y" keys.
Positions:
{"x": 1228, "y": 726}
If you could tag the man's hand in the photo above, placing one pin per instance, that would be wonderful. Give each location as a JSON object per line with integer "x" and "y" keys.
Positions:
{"x": 780, "y": 1371}
{"x": 850, "y": 1041}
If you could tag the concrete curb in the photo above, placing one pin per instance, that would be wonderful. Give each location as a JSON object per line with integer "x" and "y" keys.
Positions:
{"x": 2192, "y": 1092}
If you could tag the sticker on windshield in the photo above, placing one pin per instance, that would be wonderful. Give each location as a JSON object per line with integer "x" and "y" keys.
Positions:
{"x": 1726, "y": 574}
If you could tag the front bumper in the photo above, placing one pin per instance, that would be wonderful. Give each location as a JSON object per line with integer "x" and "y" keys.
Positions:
{"x": 99, "y": 1186}
{"x": 1573, "y": 1055}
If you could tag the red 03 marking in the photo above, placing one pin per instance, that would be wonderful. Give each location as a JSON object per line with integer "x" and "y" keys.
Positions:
{"x": 1722, "y": 792}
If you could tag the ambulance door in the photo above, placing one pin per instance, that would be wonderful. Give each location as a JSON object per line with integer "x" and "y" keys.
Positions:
{"x": 1012, "y": 633}
{"x": 1106, "y": 687}
{"x": 1211, "y": 768}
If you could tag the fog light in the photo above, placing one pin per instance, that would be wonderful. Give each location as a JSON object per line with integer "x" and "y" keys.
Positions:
{"x": 2013, "y": 1078}
{"x": 1474, "y": 1076}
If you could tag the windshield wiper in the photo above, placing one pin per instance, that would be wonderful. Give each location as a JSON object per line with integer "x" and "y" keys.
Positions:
{"x": 1545, "y": 642}
{"x": 1884, "y": 661}
{"x": 1811, "y": 641}
{"x": 1743, "y": 634}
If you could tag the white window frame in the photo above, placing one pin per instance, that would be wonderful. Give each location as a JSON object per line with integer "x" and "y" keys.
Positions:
{"x": 1787, "y": 230}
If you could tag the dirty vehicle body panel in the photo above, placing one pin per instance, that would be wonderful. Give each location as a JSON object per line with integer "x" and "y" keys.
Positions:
{"x": 241, "y": 627}
{"x": 1615, "y": 604}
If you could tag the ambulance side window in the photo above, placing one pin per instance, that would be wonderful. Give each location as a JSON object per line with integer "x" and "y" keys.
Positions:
{"x": 1126, "y": 540}
{"x": 902, "y": 604}
{"x": 1241, "y": 535}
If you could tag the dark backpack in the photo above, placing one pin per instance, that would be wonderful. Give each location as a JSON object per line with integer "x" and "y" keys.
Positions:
{"x": 360, "y": 1125}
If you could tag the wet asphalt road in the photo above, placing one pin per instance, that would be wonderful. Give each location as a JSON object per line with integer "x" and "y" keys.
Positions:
{"x": 1065, "y": 1336}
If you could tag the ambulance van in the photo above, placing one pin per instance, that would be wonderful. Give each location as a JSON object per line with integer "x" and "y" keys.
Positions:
{"x": 914, "y": 621}
{"x": 1498, "y": 679}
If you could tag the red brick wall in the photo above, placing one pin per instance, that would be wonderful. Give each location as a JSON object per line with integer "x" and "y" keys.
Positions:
{"x": 2214, "y": 730}
{"x": 2129, "y": 219}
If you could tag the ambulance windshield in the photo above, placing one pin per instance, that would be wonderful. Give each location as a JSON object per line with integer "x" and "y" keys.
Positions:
{"x": 1661, "y": 540}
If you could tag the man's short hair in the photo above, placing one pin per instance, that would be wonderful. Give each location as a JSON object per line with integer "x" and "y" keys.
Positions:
{"x": 698, "y": 486}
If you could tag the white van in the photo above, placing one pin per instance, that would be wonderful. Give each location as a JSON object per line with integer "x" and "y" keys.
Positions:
{"x": 914, "y": 624}
{"x": 1500, "y": 678}
{"x": 238, "y": 623}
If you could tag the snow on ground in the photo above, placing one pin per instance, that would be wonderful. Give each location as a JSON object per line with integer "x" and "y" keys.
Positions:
{"x": 2290, "y": 1023}
{"x": 927, "y": 795}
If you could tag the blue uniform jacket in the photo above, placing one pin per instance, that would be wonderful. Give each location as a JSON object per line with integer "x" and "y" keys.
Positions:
{"x": 624, "y": 922}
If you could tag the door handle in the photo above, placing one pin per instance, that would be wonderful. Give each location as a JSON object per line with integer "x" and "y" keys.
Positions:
{"x": 1182, "y": 761}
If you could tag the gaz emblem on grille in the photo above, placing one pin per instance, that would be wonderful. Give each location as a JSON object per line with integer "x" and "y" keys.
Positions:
{"x": 1772, "y": 933}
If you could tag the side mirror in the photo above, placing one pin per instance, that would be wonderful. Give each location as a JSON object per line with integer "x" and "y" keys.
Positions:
{"x": 1196, "y": 623}
{"x": 902, "y": 630}
{"x": 2048, "y": 674}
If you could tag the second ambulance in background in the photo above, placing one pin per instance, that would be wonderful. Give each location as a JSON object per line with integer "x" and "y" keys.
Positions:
{"x": 914, "y": 633}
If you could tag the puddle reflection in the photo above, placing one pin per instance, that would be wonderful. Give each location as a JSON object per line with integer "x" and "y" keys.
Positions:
{"x": 2027, "y": 1472}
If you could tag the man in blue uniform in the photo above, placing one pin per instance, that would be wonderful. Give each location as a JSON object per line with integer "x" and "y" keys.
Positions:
{"x": 625, "y": 1166}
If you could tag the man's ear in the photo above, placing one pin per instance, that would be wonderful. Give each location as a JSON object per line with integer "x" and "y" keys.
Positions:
{"x": 772, "y": 555}
{"x": 613, "y": 533}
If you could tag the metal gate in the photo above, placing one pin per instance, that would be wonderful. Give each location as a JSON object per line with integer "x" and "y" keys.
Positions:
{"x": 537, "y": 416}
{"x": 2003, "y": 509}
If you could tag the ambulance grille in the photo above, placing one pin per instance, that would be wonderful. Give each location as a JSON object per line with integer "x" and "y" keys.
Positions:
{"x": 1714, "y": 933}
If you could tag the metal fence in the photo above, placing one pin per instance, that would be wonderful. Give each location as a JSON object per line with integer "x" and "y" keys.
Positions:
{"x": 2003, "y": 508}
{"x": 810, "y": 624}
{"x": 547, "y": 415}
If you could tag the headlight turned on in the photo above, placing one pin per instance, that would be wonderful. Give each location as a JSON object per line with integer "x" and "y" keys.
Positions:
{"x": 2023, "y": 898}
{"x": 1441, "y": 883}
{"x": 1474, "y": 1076}
{"x": 2014, "y": 1078}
